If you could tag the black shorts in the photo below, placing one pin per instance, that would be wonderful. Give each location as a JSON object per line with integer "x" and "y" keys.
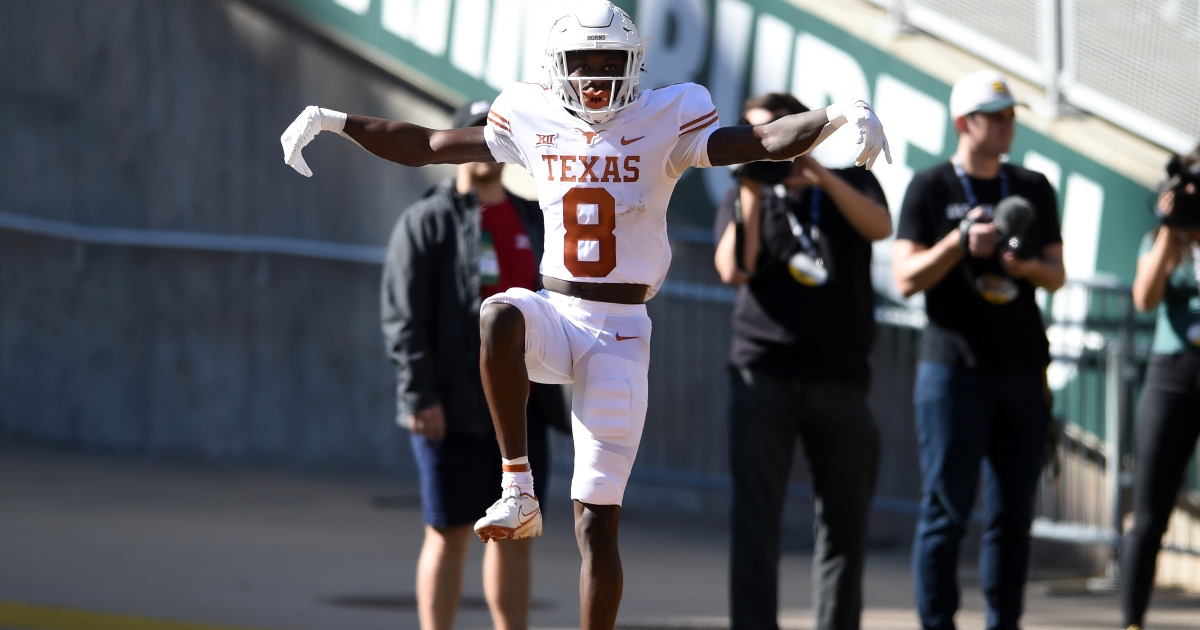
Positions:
{"x": 460, "y": 475}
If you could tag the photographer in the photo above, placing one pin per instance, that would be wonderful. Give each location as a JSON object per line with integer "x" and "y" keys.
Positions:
{"x": 980, "y": 386}
{"x": 1169, "y": 413}
{"x": 796, "y": 239}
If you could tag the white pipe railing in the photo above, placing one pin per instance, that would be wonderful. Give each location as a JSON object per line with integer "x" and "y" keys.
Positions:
{"x": 196, "y": 241}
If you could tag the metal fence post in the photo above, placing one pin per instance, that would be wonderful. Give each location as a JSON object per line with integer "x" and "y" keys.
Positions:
{"x": 898, "y": 17}
{"x": 1114, "y": 387}
{"x": 1050, "y": 49}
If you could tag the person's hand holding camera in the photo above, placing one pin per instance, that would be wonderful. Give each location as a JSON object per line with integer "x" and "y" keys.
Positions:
{"x": 978, "y": 238}
{"x": 807, "y": 172}
{"x": 1171, "y": 244}
{"x": 1017, "y": 267}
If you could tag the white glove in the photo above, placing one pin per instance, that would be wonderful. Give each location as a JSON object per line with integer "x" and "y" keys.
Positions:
{"x": 312, "y": 121}
{"x": 870, "y": 130}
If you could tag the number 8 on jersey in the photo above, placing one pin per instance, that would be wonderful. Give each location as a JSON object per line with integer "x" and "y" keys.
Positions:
{"x": 590, "y": 243}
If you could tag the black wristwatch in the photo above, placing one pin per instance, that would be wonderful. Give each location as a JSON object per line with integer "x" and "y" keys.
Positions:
{"x": 964, "y": 234}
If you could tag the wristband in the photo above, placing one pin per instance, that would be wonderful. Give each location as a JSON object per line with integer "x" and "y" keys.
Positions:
{"x": 836, "y": 115}
{"x": 335, "y": 121}
{"x": 331, "y": 120}
{"x": 964, "y": 234}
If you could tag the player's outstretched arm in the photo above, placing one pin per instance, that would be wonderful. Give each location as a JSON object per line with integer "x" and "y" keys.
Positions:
{"x": 413, "y": 145}
{"x": 400, "y": 142}
{"x": 793, "y": 135}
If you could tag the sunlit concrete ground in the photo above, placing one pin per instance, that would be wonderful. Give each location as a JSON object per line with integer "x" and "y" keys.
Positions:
{"x": 252, "y": 547}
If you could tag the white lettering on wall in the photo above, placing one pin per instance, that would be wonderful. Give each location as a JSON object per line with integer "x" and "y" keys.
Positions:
{"x": 1035, "y": 161}
{"x": 426, "y": 23}
{"x": 469, "y": 35}
{"x": 357, "y": 6}
{"x": 671, "y": 59}
{"x": 503, "y": 47}
{"x": 1069, "y": 306}
{"x": 1083, "y": 206}
{"x": 772, "y": 50}
{"x": 727, "y": 73}
{"x": 398, "y": 17}
{"x": 822, "y": 74}
{"x": 432, "y": 26}
{"x": 539, "y": 14}
{"x": 910, "y": 117}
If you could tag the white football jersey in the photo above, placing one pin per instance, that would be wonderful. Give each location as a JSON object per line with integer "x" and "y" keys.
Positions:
{"x": 604, "y": 189}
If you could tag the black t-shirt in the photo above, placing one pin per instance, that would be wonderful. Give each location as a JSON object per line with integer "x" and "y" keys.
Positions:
{"x": 964, "y": 328}
{"x": 791, "y": 330}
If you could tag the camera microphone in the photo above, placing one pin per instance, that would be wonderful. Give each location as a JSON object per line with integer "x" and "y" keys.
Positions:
{"x": 1013, "y": 216}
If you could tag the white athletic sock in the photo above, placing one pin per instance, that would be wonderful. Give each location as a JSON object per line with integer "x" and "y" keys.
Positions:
{"x": 522, "y": 479}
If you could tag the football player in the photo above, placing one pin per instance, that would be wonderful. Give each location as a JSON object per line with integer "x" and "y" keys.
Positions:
{"x": 606, "y": 156}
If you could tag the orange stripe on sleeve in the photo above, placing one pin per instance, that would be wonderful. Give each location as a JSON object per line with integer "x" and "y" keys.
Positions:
{"x": 492, "y": 112}
{"x": 707, "y": 124}
{"x": 684, "y": 127}
{"x": 499, "y": 124}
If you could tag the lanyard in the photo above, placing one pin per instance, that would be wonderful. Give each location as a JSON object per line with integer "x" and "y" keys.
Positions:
{"x": 969, "y": 191}
{"x": 806, "y": 241}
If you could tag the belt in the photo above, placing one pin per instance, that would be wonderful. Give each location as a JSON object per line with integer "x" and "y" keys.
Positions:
{"x": 598, "y": 291}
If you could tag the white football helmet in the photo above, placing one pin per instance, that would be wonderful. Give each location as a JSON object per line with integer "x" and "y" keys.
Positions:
{"x": 594, "y": 25}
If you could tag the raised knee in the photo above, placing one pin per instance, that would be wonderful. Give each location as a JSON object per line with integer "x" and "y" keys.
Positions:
{"x": 501, "y": 324}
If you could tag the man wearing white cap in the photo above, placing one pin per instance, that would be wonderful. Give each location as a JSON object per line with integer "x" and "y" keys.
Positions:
{"x": 978, "y": 236}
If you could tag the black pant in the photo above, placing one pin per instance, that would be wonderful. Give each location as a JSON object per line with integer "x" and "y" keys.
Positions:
{"x": 1168, "y": 425}
{"x": 842, "y": 444}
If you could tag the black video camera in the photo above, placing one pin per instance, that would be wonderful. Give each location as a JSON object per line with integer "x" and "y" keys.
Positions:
{"x": 1184, "y": 186}
{"x": 764, "y": 172}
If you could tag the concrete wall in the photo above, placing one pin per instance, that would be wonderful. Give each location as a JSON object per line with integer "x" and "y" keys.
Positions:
{"x": 167, "y": 115}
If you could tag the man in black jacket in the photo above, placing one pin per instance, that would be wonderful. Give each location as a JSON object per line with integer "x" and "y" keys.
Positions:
{"x": 466, "y": 240}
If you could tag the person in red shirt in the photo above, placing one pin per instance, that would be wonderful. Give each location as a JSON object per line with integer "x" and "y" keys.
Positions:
{"x": 505, "y": 241}
{"x": 469, "y": 238}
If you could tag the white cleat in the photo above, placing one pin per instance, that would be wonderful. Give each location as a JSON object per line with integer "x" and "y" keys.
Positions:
{"x": 515, "y": 515}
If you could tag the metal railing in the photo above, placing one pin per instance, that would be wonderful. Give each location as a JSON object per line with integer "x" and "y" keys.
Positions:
{"x": 1132, "y": 62}
{"x": 196, "y": 241}
{"x": 1098, "y": 346}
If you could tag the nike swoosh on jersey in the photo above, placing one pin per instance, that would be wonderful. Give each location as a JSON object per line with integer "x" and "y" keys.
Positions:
{"x": 620, "y": 338}
{"x": 625, "y": 142}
